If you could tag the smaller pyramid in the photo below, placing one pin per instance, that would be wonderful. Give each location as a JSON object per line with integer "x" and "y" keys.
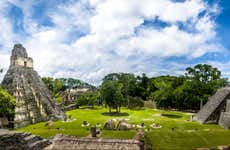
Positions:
{"x": 217, "y": 109}
{"x": 34, "y": 102}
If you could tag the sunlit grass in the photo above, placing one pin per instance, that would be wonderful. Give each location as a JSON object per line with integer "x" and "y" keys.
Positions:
{"x": 184, "y": 135}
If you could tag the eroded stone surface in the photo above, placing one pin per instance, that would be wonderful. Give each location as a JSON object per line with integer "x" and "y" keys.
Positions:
{"x": 22, "y": 141}
{"x": 61, "y": 142}
{"x": 34, "y": 102}
{"x": 225, "y": 120}
{"x": 216, "y": 109}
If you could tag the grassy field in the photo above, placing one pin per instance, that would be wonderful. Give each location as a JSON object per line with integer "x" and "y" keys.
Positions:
{"x": 186, "y": 135}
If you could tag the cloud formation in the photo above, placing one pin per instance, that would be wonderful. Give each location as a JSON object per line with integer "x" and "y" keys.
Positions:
{"x": 88, "y": 39}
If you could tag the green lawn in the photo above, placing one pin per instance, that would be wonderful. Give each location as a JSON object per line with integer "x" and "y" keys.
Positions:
{"x": 187, "y": 135}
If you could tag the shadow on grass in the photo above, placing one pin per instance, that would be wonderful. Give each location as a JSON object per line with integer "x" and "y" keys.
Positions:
{"x": 115, "y": 114}
{"x": 89, "y": 107}
{"x": 137, "y": 108}
{"x": 171, "y": 116}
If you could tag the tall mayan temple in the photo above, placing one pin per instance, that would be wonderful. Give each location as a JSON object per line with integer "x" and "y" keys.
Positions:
{"x": 217, "y": 109}
{"x": 34, "y": 102}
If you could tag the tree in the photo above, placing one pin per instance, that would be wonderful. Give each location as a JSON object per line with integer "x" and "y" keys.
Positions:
{"x": 164, "y": 93}
{"x": 203, "y": 81}
{"x": 203, "y": 73}
{"x": 49, "y": 83}
{"x": 128, "y": 82}
{"x": 111, "y": 93}
{"x": 58, "y": 86}
{"x": 54, "y": 85}
{"x": 88, "y": 98}
{"x": 7, "y": 104}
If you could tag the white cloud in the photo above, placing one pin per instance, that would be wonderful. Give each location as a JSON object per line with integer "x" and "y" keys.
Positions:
{"x": 114, "y": 36}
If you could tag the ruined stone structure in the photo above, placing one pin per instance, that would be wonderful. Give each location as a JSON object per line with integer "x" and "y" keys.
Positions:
{"x": 69, "y": 96}
{"x": 34, "y": 102}
{"x": 217, "y": 109}
{"x": 10, "y": 140}
{"x": 61, "y": 142}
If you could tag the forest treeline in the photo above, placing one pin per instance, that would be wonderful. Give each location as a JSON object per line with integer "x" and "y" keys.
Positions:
{"x": 188, "y": 91}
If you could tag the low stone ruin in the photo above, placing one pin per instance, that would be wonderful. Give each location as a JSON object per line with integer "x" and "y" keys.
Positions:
{"x": 217, "y": 109}
{"x": 118, "y": 124}
{"x": 69, "y": 96}
{"x": 10, "y": 140}
{"x": 61, "y": 142}
{"x": 21, "y": 141}
{"x": 123, "y": 125}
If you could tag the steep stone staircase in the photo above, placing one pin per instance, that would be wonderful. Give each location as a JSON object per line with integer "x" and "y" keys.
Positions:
{"x": 214, "y": 102}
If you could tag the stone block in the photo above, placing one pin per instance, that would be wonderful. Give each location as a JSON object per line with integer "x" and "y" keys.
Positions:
{"x": 228, "y": 106}
{"x": 225, "y": 120}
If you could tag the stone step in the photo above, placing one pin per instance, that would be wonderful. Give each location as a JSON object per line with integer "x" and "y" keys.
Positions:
{"x": 32, "y": 138}
{"x": 38, "y": 145}
{"x": 26, "y": 134}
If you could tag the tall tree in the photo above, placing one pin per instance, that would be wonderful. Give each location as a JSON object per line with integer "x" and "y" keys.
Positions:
{"x": 111, "y": 93}
{"x": 88, "y": 98}
{"x": 164, "y": 93}
{"x": 203, "y": 81}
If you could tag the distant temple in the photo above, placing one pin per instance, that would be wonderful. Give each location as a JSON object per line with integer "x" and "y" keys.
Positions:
{"x": 34, "y": 102}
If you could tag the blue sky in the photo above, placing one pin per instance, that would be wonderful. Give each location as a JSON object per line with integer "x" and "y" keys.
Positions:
{"x": 88, "y": 39}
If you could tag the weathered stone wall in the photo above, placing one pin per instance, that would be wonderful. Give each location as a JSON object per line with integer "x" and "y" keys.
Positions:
{"x": 23, "y": 62}
{"x": 20, "y": 57}
{"x": 225, "y": 120}
{"x": 61, "y": 142}
{"x": 34, "y": 102}
{"x": 228, "y": 106}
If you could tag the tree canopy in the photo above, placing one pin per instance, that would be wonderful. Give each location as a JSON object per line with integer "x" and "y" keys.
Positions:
{"x": 89, "y": 98}
{"x": 188, "y": 91}
{"x": 111, "y": 94}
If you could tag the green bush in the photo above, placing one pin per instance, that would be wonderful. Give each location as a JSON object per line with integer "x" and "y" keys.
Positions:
{"x": 7, "y": 104}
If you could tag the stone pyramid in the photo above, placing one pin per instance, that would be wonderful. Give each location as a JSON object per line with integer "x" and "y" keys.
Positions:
{"x": 217, "y": 109}
{"x": 34, "y": 102}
